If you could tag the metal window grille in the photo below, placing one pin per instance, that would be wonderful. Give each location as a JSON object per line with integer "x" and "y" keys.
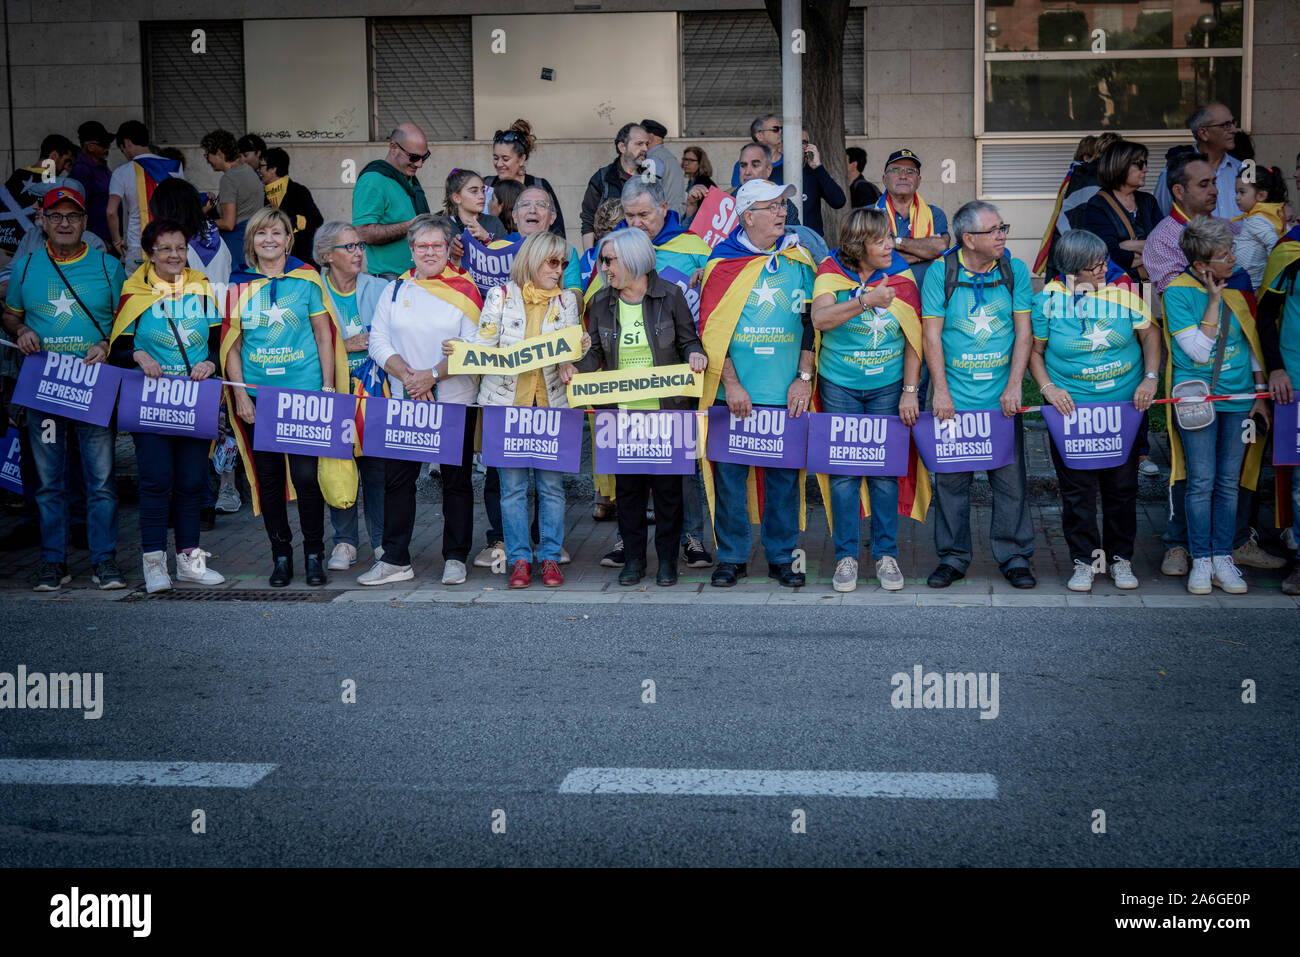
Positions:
{"x": 1021, "y": 170}
{"x": 189, "y": 94}
{"x": 732, "y": 72}
{"x": 422, "y": 70}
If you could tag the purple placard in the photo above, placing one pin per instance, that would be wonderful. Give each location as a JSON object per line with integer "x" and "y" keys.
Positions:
{"x": 300, "y": 422}
{"x": 631, "y": 442}
{"x": 169, "y": 405}
{"x": 870, "y": 445}
{"x": 1286, "y": 434}
{"x": 11, "y": 476}
{"x": 769, "y": 438}
{"x": 415, "y": 431}
{"x": 525, "y": 437}
{"x": 62, "y": 384}
{"x": 487, "y": 267}
{"x": 968, "y": 442}
{"x": 1096, "y": 435}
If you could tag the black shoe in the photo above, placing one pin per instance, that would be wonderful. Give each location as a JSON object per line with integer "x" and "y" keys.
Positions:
{"x": 785, "y": 575}
{"x": 77, "y": 538}
{"x": 943, "y": 576}
{"x": 727, "y": 574}
{"x": 107, "y": 576}
{"x": 696, "y": 555}
{"x": 282, "y": 574}
{"x": 24, "y": 536}
{"x": 315, "y": 570}
{"x": 53, "y": 576}
{"x": 1020, "y": 577}
{"x": 207, "y": 519}
{"x": 667, "y": 574}
{"x": 614, "y": 557}
{"x": 633, "y": 571}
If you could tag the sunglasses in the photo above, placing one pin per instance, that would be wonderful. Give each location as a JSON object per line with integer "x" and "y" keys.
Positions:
{"x": 608, "y": 260}
{"x": 1140, "y": 164}
{"x": 556, "y": 263}
{"x": 414, "y": 157}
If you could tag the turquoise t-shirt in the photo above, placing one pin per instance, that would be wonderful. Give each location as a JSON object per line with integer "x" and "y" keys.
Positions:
{"x": 349, "y": 315}
{"x": 1289, "y": 327}
{"x": 48, "y": 307}
{"x": 193, "y": 315}
{"x": 279, "y": 346}
{"x": 379, "y": 199}
{"x": 864, "y": 353}
{"x": 766, "y": 343}
{"x": 1093, "y": 351}
{"x": 573, "y": 272}
{"x": 978, "y": 331}
{"x": 1184, "y": 307}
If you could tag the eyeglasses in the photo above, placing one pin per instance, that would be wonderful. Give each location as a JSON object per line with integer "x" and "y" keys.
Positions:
{"x": 903, "y": 171}
{"x": 769, "y": 208}
{"x": 1001, "y": 230}
{"x": 1226, "y": 124}
{"x": 771, "y": 129}
{"x": 173, "y": 250}
{"x": 556, "y": 263}
{"x": 1098, "y": 266}
{"x": 1230, "y": 258}
{"x": 541, "y": 204}
{"x": 424, "y": 249}
{"x": 59, "y": 218}
{"x": 413, "y": 157}
{"x": 351, "y": 247}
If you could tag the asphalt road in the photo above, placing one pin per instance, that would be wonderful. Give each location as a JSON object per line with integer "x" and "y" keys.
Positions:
{"x": 463, "y": 711}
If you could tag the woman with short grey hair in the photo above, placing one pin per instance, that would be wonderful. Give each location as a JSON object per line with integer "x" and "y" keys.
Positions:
{"x": 353, "y": 293}
{"x": 638, "y": 320}
{"x": 1094, "y": 343}
{"x": 1213, "y": 349}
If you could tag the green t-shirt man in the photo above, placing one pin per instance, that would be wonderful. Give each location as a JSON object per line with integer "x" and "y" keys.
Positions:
{"x": 384, "y": 196}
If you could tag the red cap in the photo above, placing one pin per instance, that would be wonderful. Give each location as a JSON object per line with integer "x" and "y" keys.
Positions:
{"x": 60, "y": 194}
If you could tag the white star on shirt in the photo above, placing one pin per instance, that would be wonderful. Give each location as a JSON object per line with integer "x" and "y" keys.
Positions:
{"x": 62, "y": 305}
{"x": 766, "y": 294}
{"x": 275, "y": 315}
{"x": 983, "y": 322}
{"x": 878, "y": 323}
{"x": 1099, "y": 337}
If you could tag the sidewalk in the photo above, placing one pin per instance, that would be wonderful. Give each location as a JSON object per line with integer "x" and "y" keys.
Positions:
{"x": 240, "y": 552}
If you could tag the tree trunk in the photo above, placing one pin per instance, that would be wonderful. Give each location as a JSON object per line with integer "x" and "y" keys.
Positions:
{"x": 823, "y": 90}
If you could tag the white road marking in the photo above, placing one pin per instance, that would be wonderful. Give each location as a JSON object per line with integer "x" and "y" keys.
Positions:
{"x": 177, "y": 774}
{"x": 717, "y": 781}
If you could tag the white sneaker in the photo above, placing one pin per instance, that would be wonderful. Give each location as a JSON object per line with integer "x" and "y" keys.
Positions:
{"x": 379, "y": 552}
{"x": 1175, "y": 561}
{"x": 846, "y": 575}
{"x": 1148, "y": 467}
{"x": 1121, "y": 570}
{"x": 1227, "y": 576}
{"x": 485, "y": 558}
{"x": 194, "y": 568}
{"x": 1199, "y": 580}
{"x": 887, "y": 570}
{"x": 228, "y": 500}
{"x": 156, "y": 578}
{"x": 384, "y": 574}
{"x": 453, "y": 573}
{"x": 343, "y": 557}
{"x": 1081, "y": 580}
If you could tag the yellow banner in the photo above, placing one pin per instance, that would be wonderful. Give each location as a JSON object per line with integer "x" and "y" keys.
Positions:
{"x": 633, "y": 385}
{"x": 563, "y": 345}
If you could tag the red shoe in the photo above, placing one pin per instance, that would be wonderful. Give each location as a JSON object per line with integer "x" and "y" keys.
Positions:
{"x": 522, "y": 574}
{"x": 551, "y": 574}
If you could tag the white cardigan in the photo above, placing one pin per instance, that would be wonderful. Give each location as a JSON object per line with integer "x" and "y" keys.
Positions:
{"x": 413, "y": 323}
{"x": 502, "y": 323}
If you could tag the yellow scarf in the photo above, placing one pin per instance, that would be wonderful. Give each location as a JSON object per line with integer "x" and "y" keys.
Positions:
{"x": 538, "y": 304}
{"x": 920, "y": 220}
{"x": 1273, "y": 212}
{"x": 276, "y": 189}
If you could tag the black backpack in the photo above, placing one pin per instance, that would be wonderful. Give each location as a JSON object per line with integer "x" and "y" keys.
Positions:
{"x": 1006, "y": 277}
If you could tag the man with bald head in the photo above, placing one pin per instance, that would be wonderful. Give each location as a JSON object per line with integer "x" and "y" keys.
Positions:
{"x": 387, "y": 197}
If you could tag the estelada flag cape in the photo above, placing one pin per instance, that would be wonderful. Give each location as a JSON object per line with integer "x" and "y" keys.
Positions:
{"x": 1284, "y": 254}
{"x": 138, "y": 294}
{"x": 244, "y": 285}
{"x": 673, "y": 238}
{"x": 730, "y": 275}
{"x": 1045, "y": 248}
{"x": 1237, "y": 296}
{"x": 833, "y": 277}
{"x": 149, "y": 172}
{"x": 918, "y": 214}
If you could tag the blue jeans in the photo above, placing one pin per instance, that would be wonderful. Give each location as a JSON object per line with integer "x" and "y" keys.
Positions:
{"x": 1011, "y": 532}
{"x": 1214, "y": 456}
{"x": 1175, "y": 533}
{"x": 344, "y": 520}
{"x": 780, "y": 529}
{"x": 50, "y": 459}
{"x": 693, "y": 505}
{"x": 846, "y": 509}
{"x": 514, "y": 514}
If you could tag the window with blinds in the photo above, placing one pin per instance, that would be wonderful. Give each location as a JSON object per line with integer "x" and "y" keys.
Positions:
{"x": 732, "y": 72}
{"x": 1019, "y": 170}
{"x": 422, "y": 71}
{"x": 188, "y": 93}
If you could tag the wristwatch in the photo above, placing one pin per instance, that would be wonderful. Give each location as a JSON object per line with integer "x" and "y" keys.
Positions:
{"x": 436, "y": 377}
{"x": 911, "y": 388}
{"x": 1151, "y": 375}
{"x": 805, "y": 376}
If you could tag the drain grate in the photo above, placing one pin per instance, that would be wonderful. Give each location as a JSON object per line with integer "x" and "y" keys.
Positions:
{"x": 237, "y": 594}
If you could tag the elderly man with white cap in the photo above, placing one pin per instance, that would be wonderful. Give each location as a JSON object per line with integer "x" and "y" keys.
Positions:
{"x": 760, "y": 350}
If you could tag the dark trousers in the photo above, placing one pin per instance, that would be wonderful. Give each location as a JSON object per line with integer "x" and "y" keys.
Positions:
{"x": 170, "y": 465}
{"x": 1118, "y": 487}
{"x": 457, "y": 504}
{"x": 269, "y": 467}
{"x": 631, "y": 493}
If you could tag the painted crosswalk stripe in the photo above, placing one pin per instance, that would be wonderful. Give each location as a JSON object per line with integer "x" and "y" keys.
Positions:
{"x": 721, "y": 782}
{"x": 175, "y": 774}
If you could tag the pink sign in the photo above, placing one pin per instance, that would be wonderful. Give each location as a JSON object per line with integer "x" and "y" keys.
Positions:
{"x": 716, "y": 217}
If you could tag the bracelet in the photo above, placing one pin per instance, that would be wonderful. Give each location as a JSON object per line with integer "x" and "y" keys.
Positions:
{"x": 911, "y": 388}
{"x": 327, "y": 388}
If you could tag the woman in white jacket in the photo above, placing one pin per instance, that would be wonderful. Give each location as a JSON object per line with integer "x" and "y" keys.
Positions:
{"x": 532, "y": 304}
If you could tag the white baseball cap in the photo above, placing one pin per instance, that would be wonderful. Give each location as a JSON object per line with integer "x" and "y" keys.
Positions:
{"x": 760, "y": 191}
